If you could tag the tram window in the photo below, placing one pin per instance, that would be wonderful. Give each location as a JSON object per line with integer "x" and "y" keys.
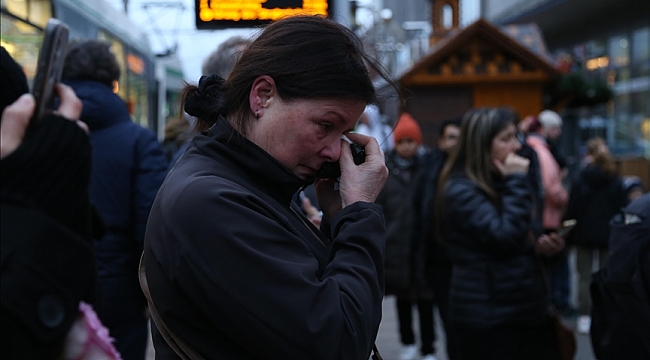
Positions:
{"x": 35, "y": 11}
{"x": 22, "y": 42}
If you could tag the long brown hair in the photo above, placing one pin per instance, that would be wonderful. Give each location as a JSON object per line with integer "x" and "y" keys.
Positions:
{"x": 597, "y": 149}
{"x": 471, "y": 155}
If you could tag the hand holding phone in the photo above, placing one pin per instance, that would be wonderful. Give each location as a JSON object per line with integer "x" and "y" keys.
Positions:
{"x": 332, "y": 170}
{"x": 567, "y": 226}
{"x": 50, "y": 67}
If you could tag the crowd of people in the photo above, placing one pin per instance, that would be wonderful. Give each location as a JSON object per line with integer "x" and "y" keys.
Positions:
{"x": 209, "y": 233}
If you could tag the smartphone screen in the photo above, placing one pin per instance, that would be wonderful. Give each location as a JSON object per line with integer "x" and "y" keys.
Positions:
{"x": 49, "y": 67}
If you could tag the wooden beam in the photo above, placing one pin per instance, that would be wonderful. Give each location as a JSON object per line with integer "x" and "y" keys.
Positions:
{"x": 464, "y": 79}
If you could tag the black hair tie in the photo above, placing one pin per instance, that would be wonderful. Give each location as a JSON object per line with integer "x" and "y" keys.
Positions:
{"x": 207, "y": 101}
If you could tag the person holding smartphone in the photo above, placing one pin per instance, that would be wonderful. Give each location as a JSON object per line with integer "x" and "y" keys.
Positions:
{"x": 47, "y": 249}
{"x": 498, "y": 306}
{"x": 597, "y": 194}
{"x": 234, "y": 269}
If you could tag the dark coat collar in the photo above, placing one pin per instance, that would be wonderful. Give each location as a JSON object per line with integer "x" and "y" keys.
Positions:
{"x": 225, "y": 144}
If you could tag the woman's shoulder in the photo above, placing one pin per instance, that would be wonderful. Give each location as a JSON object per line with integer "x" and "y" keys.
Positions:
{"x": 203, "y": 199}
{"x": 459, "y": 184}
{"x": 201, "y": 187}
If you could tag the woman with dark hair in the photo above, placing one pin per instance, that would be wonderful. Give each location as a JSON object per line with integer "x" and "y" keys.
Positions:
{"x": 597, "y": 194}
{"x": 233, "y": 269}
{"x": 497, "y": 303}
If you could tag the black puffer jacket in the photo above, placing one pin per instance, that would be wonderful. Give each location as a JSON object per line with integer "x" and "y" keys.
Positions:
{"x": 495, "y": 278}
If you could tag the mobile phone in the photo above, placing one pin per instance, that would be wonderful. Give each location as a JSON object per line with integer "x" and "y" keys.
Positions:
{"x": 330, "y": 170}
{"x": 49, "y": 67}
{"x": 567, "y": 226}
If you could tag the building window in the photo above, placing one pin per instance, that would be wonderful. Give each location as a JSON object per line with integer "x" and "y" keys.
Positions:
{"x": 447, "y": 16}
{"x": 641, "y": 52}
{"x": 619, "y": 55}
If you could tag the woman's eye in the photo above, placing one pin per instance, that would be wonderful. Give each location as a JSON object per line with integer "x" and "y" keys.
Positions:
{"x": 326, "y": 126}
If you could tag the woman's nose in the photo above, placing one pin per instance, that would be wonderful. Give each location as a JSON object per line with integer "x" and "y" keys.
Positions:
{"x": 332, "y": 150}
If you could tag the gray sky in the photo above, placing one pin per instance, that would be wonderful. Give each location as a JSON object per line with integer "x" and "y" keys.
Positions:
{"x": 173, "y": 25}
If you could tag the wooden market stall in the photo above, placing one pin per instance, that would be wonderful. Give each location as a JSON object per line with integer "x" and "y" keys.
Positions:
{"x": 480, "y": 65}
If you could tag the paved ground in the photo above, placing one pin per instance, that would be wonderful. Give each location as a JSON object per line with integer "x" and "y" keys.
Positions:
{"x": 389, "y": 346}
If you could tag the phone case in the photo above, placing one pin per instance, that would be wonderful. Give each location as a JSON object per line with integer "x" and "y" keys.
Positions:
{"x": 50, "y": 66}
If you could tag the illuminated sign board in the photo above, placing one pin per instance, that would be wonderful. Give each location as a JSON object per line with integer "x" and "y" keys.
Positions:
{"x": 220, "y": 14}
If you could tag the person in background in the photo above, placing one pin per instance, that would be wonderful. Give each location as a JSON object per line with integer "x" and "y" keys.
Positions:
{"x": 128, "y": 166}
{"x": 497, "y": 303}
{"x": 432, "y": 262}
{"x": 48, "y": 268}
{"x": 225, "y": 56}
{"x": 177, "y": 133}
{"x": 395, "y": 199}
{"x": 534, "y": 171}
{"x": 620, "y": 289}
{"x": 219, "y": 62}
{"x": 633, "y": 187}
{"x": 233, "y": 269}
{"x": 371, "y": 124}
{"x": 545, "y": 130}
{"x": 596, "y": 195}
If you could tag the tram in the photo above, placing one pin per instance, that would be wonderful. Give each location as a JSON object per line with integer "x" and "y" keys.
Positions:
{"x": 143, "y": 85}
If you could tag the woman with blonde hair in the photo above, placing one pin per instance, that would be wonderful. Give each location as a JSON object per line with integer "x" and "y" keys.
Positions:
{"x": 497, "y": 303}
{"x": 596, "y": 195}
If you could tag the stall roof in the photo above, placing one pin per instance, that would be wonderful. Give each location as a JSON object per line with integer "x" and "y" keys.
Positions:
{"x": 483, "y": 52}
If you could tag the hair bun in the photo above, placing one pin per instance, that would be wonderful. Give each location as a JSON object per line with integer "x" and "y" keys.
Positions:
{"x": 206, "y": 102}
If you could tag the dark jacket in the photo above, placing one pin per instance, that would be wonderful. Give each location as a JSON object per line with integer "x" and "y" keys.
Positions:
{"x": 534, "y": 180}
{"x": 237, "y": 274}
{"x": 434, "y": 258}
{"x": 620, "y": 290}
{"x": 594, "y": 199}
{"x": 128, "y": 166}
{"x": 496, "y": 277}
{"x": 395, "y": 200}
{"x": 47, "y": 250}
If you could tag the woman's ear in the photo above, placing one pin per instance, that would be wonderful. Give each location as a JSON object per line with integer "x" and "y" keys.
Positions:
{"x": 262, "y": 91}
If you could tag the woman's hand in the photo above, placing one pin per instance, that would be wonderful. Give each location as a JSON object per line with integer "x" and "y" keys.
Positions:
{"x": 16, "y": 117}
{"x": 312, "y": 212}
{"x": 513, "y": 164}
{"x": 362, "y": 182}
{"x": 549, "y": 245}
{"x": 358, "y": 182}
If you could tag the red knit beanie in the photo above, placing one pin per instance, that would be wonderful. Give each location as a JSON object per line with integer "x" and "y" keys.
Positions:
{"x": 407, "y": 128}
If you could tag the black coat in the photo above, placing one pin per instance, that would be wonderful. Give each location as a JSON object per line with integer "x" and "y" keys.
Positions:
{"x": 594, "y": 199}
{"x": 128, "y": 166}
{"x": 47, "y": 251}
{"x": 395, "y": 200}
{"x": 434, "y": 257}
{"x": 496, "y": 278}
{"x": 237, "y": 274}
